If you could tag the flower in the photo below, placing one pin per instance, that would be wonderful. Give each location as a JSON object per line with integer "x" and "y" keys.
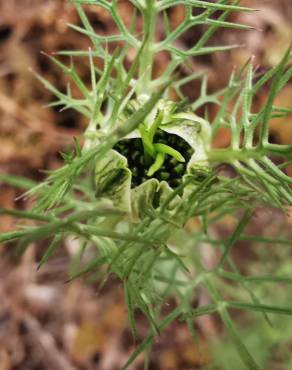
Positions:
{"x": 146, "y": 166}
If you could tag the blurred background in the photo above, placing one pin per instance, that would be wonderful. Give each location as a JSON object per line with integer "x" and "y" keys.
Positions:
{"x": 47, "y": 324}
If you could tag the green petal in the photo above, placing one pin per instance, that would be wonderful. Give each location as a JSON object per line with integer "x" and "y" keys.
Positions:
{"x": 143, "y": 197}
{"x": 195, "y": 131}
{"x": 113, "y": 180}
{"x": 151, "y": 195}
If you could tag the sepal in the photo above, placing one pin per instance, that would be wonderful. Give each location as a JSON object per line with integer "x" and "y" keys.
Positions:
{"x": 113, "y": 180}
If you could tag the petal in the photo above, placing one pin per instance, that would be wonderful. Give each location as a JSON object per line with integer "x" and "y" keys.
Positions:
{"x": 143, "y": 197}
{"x": 195, "y": 131}
{"x": 113, "y": 180}
{"x": 149, "y": 196}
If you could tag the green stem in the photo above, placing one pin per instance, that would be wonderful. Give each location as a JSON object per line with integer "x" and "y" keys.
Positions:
{"x": 147, "y": 57}
{"x": 230, "y": 155}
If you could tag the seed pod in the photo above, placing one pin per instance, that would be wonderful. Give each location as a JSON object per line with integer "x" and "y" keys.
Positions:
{"x": 179, "y": 168}
{"x": 164, "y": 176}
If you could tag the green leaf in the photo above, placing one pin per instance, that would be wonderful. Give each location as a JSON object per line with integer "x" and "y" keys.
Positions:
{"x": 92, "y": 265}
{"x": 242, "y": 350}
{"x": 131, "y": 310}
{"x": 17, "y": 181}
{"x": 235, "y": 236}
{"x": 204, "y": 4}
{"x": 50, "y": 250}
{"x": 261, "y": 308}
{"x": 264, "y": 132}
{"x": 25, "y": 214}
{"x": 150, "y": 338}
{"x": 201, "y": 311}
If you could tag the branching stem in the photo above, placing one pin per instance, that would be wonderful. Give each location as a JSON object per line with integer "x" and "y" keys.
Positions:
{"x": 147, "y": 57}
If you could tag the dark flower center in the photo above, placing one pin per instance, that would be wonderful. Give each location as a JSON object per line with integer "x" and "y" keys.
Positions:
{"x": 171, "y": 171}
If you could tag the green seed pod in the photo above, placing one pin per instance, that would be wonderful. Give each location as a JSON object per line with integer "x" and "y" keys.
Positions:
{"x": 164, "y": 175}
{"x": 179, "y": 168}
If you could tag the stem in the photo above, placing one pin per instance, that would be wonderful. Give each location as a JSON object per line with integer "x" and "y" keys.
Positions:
{"x": 230, "y": 155}
{"x": 147, "y": 56}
